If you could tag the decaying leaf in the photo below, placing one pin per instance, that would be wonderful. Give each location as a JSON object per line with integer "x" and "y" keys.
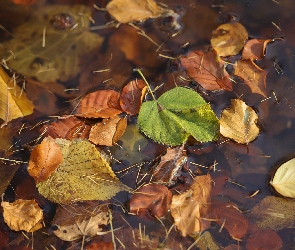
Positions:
{"x": 284, "y": 179}
{"x": 132, "y": 96}
{"x": 154, "y": 198}
{"x": 13, "y": 101}
{"x": 22, "y": 215}
{"x": 7, "y": 173}
{"x": 189, "y": 209}
{"x": 44, "y": 159}
{"x": 229, "y": 39}
{"x": 253, "y": 76}
{"x": 108, "y": 131}
{"x": 264, "y": 239}
{"x": 84, "y": 174}
{"x": 102, "y": 245}
{"x": 100, "y": 104}
{"x": 239, "y": 122}
{"x": 74, "y": 221}
{"x": 206, "y": 69}
{"x": 177, "y": 114}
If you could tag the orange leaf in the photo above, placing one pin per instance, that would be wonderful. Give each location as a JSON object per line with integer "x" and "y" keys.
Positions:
{"x": 44, "y": 159}
{"x": 207, "y": 70}
{"x": 102, "y": 245}
{"x": 24, "y": 2}
{"x": 132, "y": 96}
{"x": 100, "y": 104}
{"x": 253, "y": 76}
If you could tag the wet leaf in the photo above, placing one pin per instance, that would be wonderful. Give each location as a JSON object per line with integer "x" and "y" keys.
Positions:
{"x": 127, "y": 11}
{"x": 253, "y": 76}
{"x": 13, "y": 101}
{"x": 7, "y": 173}
{"x": 83, "y": 175}
{"x": 132, "y": 96}
{"x": 74, "y": 221}
{"x": 44, "y": 159}
{"x": 284, "y": 179}
{"x": 206, "y": 69}
{"x": 176, "y": 115}
{"x": 264, "y": 239}
{"x": 154, "y": 198}
{"x": 108, "y": 131}
{"x": 102, "y": 245}
{"x": 22, "y": 215}
{"x": 229, "y": 39}
{"x": 24, "y": 2}
{"x": 239, "y": 122}
{"x": 189, "y": 209}
{"x": 100, "y": 104}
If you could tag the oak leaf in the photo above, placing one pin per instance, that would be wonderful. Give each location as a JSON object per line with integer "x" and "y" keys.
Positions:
{"x": 206, "y": 69}
{"x": 189, "y": 209}
{"x": 239, "y": 122}
{"x": 22, "y": 215}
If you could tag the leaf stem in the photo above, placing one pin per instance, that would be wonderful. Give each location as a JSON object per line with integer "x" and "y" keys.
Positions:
{"x": 146, "y": 82}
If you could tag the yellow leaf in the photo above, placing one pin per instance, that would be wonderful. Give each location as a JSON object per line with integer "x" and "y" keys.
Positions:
{"x": 22, "y": 215}
{"x": 239, "y": 122}
{"x": 13, "y": 101}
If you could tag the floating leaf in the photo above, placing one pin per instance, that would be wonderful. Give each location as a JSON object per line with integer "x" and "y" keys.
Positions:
{"x": 83, "y": 175}
{"x": 13, "y": 101}
{"x": 206, "y": 69}
{"x": 253, "y": 76}
{"x": 229, "y": 39}
{"x": 176, "y": 115}
{"x": 190, "y": 208}
{"x": 284, "y": 179}
{"x": 239, "y": 122}
{"x": 22, "y": 215}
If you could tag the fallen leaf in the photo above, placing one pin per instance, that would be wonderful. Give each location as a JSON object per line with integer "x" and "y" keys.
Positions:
{"x": 102, "y": 245}
{"x": 77, "y": 220}
{"x": 229, "y": 39}
{"x": 24, "y": 2}
{"x": 84, "y": 174}
{"x": 176, "y": 115}
{"x": 108, "y": 131}
{"x": 13, "y": 101}
{"x": 283, "y": 180}
{"x": 22, "y": 215}
{"x": 127, "y": 11}
{"x": 264, "y": 239}
{"x": 253, "y": 76}
{"x": 132, "y": 96}
{"x": 154, "y": 198}
{"x": 44, "y": 159}
{"x": 239, "y": 122}
{"x": 4, "y": 238}
{"x": 206, "y": 69}
{"x": 100, "y": 104}
{"x": 190, "y": 208}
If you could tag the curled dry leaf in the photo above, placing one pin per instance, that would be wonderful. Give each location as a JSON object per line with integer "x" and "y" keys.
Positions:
{"x": 108, "y": 131}
{"x": 100, "y": 104}
{"x": 132, "y": 96}
{"x": 154, "y": 198}
{"x": 189, "y": 209}
{"x": 22, "y": 215}
{"x": 264, "y": 239}
{"x": 253, "y": 76}
{"x": 229, "y": 39}
{"x": 206, "y": 69}
{"x": 239, "y": 122}
{"x": 44, "y": 159}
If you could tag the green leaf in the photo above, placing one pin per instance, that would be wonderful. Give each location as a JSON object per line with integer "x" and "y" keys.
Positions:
{"x": 176, "y": 115}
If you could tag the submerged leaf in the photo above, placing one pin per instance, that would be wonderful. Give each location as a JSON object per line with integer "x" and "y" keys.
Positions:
{"x": 264, "y": 239}
{"x": 176, "y": 115}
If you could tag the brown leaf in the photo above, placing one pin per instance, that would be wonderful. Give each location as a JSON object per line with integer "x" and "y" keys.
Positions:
{"x": 154, "y": 198}
{"x": 253, "y": 76}
{"x": 102, "y": 245}
{"x": 254, "y": 49}
{"x": 81, "y": 130}
{"x": 228, "y": 216}
{"x": 132, "y": 96}
{"x": 100, "y": 104}
{"x": 44, "y": 159}
{"x": 189, "y": 209}
{"x": 22, "y": 215}
{"x": 126, "y": 11}
{"x": 264, "y": 239}
{"x": 228, "y": 39}
{"x": 206, "y": 69}
{"x": 108, "y": 131}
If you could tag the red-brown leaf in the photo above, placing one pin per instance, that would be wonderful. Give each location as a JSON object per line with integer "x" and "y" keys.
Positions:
{"x": 154, "y": 198}
{"x": 264, "y": 239}
{"x": 254, "y": 49}
{"x": 102, "y": 245}
{"x": 207, "y": 70}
